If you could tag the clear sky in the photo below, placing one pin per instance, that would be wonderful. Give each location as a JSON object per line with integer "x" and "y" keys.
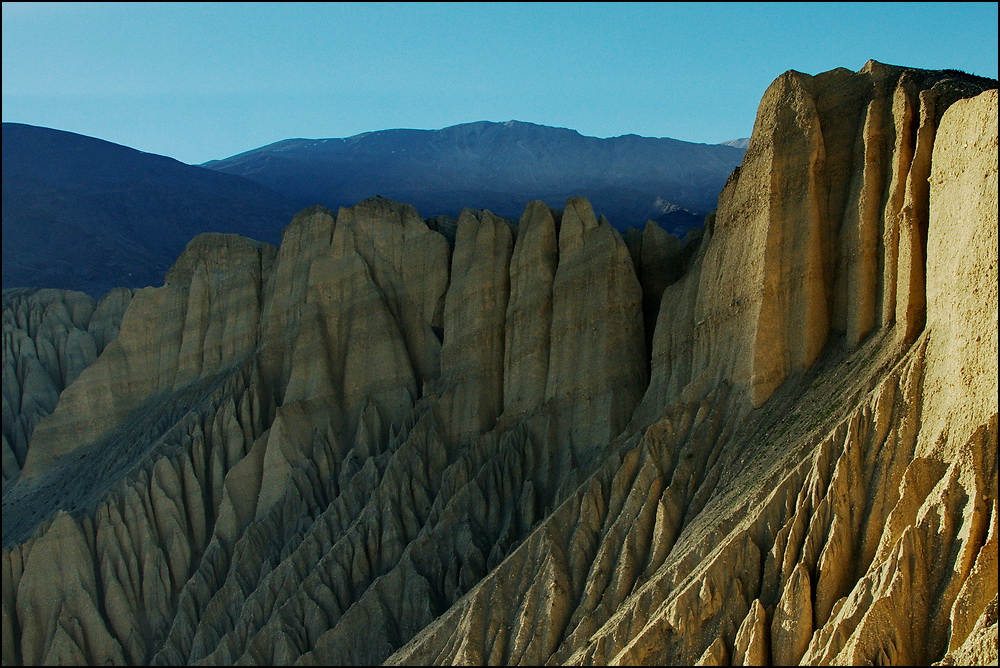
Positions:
{"x": 198, "y": 81}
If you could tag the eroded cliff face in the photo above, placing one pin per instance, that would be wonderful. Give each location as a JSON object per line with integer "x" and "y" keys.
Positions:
{"x": 49, "y": 337}
{"x": 366, "y": 446}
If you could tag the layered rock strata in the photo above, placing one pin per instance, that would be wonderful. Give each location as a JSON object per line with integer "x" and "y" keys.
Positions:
{"x": 367, "y": 446}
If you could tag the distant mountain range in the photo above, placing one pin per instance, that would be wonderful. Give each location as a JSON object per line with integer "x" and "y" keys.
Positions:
{"x": 500, "y": 167}
{"x": 86, "y": 214}
{"x": 743, "y": 142}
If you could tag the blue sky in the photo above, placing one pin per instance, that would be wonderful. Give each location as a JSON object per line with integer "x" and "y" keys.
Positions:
{"x": 198, "y": 81}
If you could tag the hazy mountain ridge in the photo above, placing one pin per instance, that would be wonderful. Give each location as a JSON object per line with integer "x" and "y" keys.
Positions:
{"x": 369, "y": 446}
{"x": 84, "y": 214}
{"x": 496, "y": 166}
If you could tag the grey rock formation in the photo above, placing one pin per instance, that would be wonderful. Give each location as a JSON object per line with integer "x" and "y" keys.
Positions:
{"x": 50, "y": 336}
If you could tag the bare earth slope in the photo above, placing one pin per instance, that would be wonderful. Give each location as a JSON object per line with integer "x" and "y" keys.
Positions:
{"x": 363, "y": 447}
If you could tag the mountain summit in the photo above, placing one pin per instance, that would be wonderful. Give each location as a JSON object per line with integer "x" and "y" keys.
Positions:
{"x": 500, "y": 167}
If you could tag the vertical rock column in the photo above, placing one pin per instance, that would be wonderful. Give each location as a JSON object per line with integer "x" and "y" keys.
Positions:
{"x": 793, "y": 320}
{"x": 597, "y": 365}
{"x": 472, "y": 355}
{"x": 962, "y": 273}
{"x": 529, "y": 311}
{"x": 574, "y": 332}
{"x": 363, "y": 330}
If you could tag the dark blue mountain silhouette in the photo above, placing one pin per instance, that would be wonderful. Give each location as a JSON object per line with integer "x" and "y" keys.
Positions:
{"x": 498, "y": 166}
{"x": 86, "y": 214}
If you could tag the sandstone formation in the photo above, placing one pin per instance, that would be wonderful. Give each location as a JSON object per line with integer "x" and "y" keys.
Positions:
{"x": 367, "y": 446}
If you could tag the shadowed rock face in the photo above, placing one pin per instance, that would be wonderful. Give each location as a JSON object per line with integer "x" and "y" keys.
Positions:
{"x": 49, "y": 337}
{"x": 366, "y": 446}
